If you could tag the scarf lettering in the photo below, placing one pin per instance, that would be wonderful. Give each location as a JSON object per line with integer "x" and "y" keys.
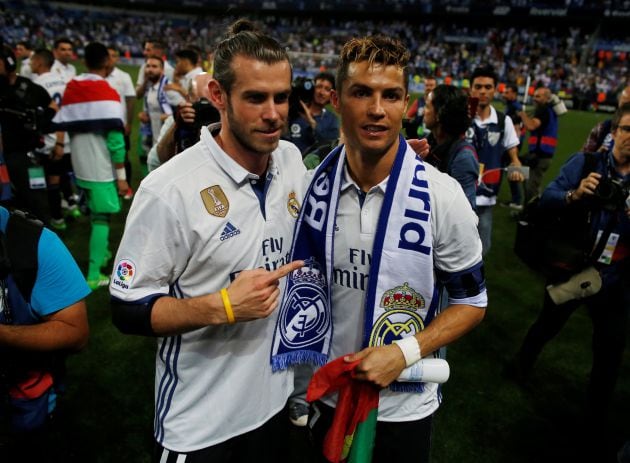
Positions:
{"x": 412, "y": 234}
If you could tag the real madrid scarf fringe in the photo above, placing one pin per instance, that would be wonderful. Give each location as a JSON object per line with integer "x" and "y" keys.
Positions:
{"x": 401, "y": 295}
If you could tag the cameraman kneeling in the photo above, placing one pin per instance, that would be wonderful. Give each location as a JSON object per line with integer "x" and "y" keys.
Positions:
{"x": 604, "y": 193}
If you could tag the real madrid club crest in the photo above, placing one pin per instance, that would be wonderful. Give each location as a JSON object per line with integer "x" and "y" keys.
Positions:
{"x": 215, "y": 201}
{"x": 401, "y": 317}
{"x": 304, "y": 316}
{"x": 293, "y": 205}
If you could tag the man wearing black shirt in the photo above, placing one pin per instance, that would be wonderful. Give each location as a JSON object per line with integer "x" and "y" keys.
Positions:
{"x": 26, "y": 110}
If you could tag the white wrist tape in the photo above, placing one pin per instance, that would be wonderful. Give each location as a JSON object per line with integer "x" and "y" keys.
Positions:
{"x": 410, "y": 348}
{"x": 121, "y": 174}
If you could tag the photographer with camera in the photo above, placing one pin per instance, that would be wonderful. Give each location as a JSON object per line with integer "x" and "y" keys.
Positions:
{"x": 311, "y": 125}
{"x": 602, "y": 196}
{"x": 182, "y": 130}
{"x": 26, "y": 110}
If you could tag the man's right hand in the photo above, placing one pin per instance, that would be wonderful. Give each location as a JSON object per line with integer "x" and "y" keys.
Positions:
{"x": 588, "y": 185}
{"x": 187, "y": 112}
{"x": 255, "y": 294}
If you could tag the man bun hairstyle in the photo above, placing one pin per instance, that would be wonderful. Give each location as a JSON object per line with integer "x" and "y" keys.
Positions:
{"x": 244, "y": 38}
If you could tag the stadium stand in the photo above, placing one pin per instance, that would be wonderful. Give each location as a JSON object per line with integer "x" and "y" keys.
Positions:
{"x": 577, "y": 48}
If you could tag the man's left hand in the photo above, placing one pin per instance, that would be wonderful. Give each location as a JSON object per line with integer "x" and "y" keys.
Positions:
{"x": 516, "y": 175}
{"x": 379, "y": 365}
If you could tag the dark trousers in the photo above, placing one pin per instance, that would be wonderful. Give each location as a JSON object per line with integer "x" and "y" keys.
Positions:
{"x": 408, "y": 441}
{"x": 25, "y": 198}
{"x": 608, "y": 310}
{"x": 265, "y": 445}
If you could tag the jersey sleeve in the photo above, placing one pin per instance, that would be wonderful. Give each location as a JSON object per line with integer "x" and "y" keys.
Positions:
{"x": 153, "y": 251}
{"x": 510, "y": 137}
{"x": 128, "y": 89}
{"x": 457, "y": 250}
{"x": 59, "y": 282}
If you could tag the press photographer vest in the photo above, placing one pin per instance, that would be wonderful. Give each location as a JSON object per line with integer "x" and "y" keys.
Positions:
{"x": 543, "y": 140}
{"x": 488, "y": 141}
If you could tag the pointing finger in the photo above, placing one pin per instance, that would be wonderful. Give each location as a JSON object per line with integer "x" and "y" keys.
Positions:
{"x": 286, "y": 269}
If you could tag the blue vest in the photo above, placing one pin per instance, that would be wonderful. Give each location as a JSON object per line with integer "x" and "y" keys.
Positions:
{"x": 543, "y": 140}
{"x": 488, "y": 141}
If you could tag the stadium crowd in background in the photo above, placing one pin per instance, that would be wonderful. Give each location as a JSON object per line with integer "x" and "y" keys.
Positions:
{"x": 578, "y": 63}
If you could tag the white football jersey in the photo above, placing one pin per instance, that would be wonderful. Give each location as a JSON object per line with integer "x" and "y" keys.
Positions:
{"x": 456, "y": 247}
{"x": 194, "y": 224}
{"x": 121, "y": 82}
{"x": 66, "y": 71}
{"x": 55, "y": 86}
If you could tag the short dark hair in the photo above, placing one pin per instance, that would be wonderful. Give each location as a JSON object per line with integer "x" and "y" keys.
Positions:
{"x": 325, "y": 76}
{"x": 244, "y": 39}
{"x": 512, "y": 86}
{"x": 451, "y": 108}
{"x": 96, "y": 56}
{"x": 156, "y": 43}
{"x": 46, "y": 56}
{"x": 156, "y": 57}
{"x": 485, "y": 71}
{"x": 188, "y": 54}
{"x": 113, "y": 48}
{"x": 61, "y": 40}
{"x": 377, "y": 49}
{"x": 26, "y": 44}
{"x": 621, "y": 111}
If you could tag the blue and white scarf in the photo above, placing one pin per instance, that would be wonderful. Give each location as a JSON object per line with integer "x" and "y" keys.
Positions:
{"x": 401, "y": 294}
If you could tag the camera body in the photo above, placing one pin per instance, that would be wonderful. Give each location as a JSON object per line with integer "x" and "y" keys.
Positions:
{"x": 612, "y": 194}
{"x": 205, "y": 113}
{"x": 187, "y": 134}
{"x": 302, "y": 89}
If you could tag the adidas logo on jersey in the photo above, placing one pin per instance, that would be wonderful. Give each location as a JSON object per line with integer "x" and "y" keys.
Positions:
{"x": 229, "y": 231}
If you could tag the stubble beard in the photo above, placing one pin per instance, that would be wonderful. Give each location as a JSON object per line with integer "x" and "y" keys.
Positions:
{"x": 243, "y": 138}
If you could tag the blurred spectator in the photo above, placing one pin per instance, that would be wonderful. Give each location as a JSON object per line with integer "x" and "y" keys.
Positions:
{"x": 492, "y": 134}
{"x": 542, "y": 142}
{"x": 600, "y": 138}
{"x": 24, "y": 51}
{"x": 64, "y": 53}
{"x": 156, "y": 107}
{"x": 446, "y": 116}
{"x": 98, "y": 150}
{"x": 153, "y": 48}
{"x": 55, "y": 154}
{"x": 122, "y": 83}
{"x": 25, "y": 115}
{"x": 414, "y": 122}
{"x": 512, "y": 108}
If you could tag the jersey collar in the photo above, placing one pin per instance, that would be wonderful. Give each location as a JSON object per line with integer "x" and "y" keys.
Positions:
{"x": 233, "y": 169}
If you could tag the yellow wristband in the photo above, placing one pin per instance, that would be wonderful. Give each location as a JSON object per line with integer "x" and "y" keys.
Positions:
{"x": 227, "y": 305}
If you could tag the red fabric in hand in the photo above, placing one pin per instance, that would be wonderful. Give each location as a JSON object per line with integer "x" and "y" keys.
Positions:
{"x": 356, "y": 400}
